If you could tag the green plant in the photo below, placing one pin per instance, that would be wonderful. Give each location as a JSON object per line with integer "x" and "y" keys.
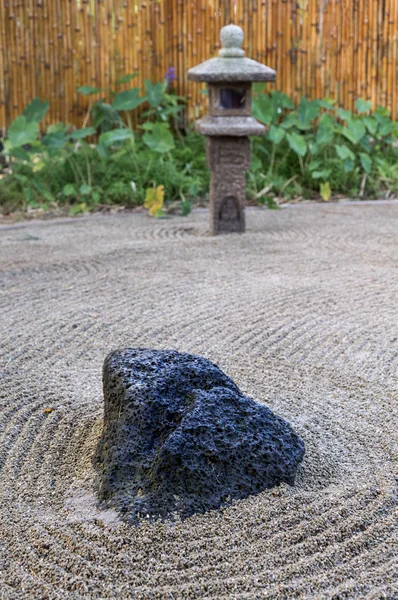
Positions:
{"x": 318, "y": 147}
{"x": 108, "y": 112}
{"x": 314, "y": 149}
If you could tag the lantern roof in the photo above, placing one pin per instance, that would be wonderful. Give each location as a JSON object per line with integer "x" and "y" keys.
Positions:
{"x": 231, "y": 65}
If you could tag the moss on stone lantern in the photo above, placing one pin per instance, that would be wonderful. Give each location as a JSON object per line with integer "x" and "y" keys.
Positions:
{"x": 227, "y": 126}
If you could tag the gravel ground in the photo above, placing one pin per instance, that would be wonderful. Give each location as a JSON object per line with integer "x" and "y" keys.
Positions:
{"x": 301, "y": 312}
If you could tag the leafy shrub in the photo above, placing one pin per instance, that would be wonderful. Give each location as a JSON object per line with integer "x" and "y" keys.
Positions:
{"x": 316, "y": 149}
{"x": 319, "y": 148}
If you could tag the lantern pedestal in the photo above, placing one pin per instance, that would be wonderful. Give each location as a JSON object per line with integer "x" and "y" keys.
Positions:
{"x": 228, "y": 158}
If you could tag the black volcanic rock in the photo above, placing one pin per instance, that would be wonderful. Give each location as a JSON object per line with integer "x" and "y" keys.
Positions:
{"x": 179, "y": 436}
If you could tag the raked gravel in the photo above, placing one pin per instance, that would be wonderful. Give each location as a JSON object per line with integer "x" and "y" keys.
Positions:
{"x": 301, "y": 311}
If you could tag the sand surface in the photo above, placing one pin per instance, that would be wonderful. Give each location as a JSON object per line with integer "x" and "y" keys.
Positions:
{"x": 301, "y": 311}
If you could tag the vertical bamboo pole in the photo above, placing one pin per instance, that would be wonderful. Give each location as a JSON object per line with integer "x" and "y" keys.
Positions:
{"x": 384, "y": 55}
{"x": 299, "y": 46}
{"x": 272, "y": 36}
{"x": 326, "y": 49}
{"x": 353, "y": 76}
{"x": 388, "y": 53}
{"x": 393, "y": 37}
{"x": 342, "y": 53}
{"x": 20, "y": 78}
{"x": 11, "y": 48}
{"x": 284, "y": 27}
{"x": 49, "y": 66}
{"x": 3, "y": 72}
{"x": 371, "y": 66}
{"x": 358, "y": 79}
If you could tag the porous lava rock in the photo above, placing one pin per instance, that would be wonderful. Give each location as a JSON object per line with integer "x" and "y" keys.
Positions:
{"x": 180, "y": 437}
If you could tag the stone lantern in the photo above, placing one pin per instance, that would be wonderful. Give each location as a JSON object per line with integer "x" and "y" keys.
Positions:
{"x": 228, "y": 125}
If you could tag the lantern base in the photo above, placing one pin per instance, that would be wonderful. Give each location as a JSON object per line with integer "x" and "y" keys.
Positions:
{"x": 228, "y": 159}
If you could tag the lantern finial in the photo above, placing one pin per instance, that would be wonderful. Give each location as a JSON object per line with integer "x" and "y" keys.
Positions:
{"x": 231, "y": 37}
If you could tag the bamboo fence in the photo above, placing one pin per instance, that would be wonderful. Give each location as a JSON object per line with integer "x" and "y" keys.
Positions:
{"x": 343, "y": 49}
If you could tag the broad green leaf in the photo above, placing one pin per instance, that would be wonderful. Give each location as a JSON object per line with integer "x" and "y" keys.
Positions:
{"x": 154, "y": 92}
{"x": 327, "y": 103}
{"x": 159, "y": 139}
{"x": 325, "y": 191}
{"x": 348, "y": 165}
{"x": 95, "y": 196}
{"x": 21, "y": 132}
{"x": 127, "y": 100}
{"x": 356, "y": 128}
{"x": 308, "y": 110}
{"x": 327, "y": 120}
{"x": 148, "y": 126}
{"x": 193, "y": 189}
{"x": 126, "y": 78}
{"x": 347, "y": 134}
{"x": 314, "y": 148}
{"x": 325, "y": 133}
{"x": 105, "y": 117}
{"x": 314, "y": 164}
{"x": 382, "y": 111}
{"x": 69, "y": 190}
{"x": 102, "y": 151}
{"x": 186, "y": 207}
{"x": 85, "y": 189}
{"x": 36, "y": 110}
{"x": 263, "y": 109}
{"x": 304, "y": 126}
{"x": 344, "y": 115}
{"x": 116, "y": 135}
{"x": 291, "y": 120}
{"x": 386, "y": 127}
{"x": 371, "y": 124}
{"x": 363, "y": 106}
{"x": 56, "y": 139}
{"x": 19, "y": 153}
{"x": 367, "y": 143}
{"x": 154, "y": 199}
{"x": 80, "y": 134}
{"x": 57, "y": 127}
{"x": 297, "y": 143}
{"x": 324, "y": 174}
{"x": 281, "y": 101}
{"x": 255, "y": 163}
{"x": 344, "y": 152}
{"x": 276, "y": 134}
{"x": 366, "y": 162}
{"x": 86, "y": 90}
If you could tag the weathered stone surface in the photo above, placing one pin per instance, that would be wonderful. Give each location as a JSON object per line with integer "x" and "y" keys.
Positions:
{"x": 231, "y": 38}
{"x": 180, "y": 437}
{"x": 231, "y": 64}
{"x": 231, "y": 70}
{"x": 229, "y": 126}
{"x": 228, "y": 159}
